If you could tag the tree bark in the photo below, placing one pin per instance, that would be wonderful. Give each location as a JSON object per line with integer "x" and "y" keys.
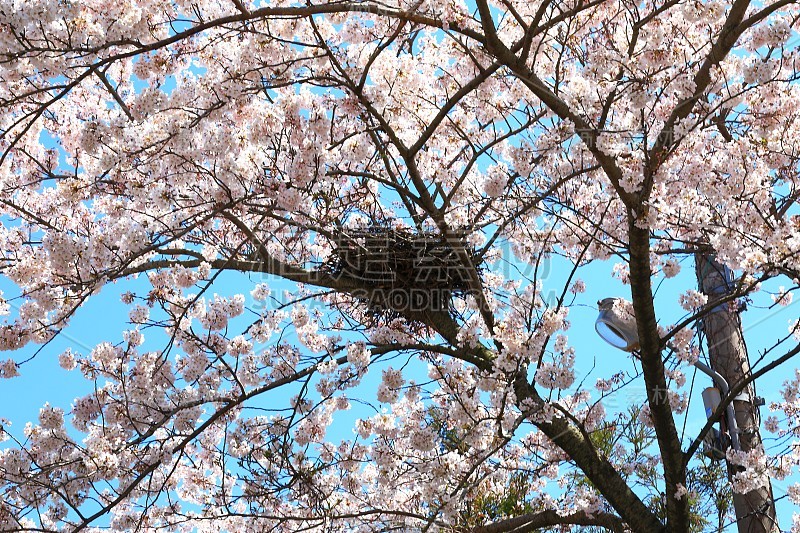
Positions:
{"x": 650, "y": 354}
{"x": 755, "y": 510}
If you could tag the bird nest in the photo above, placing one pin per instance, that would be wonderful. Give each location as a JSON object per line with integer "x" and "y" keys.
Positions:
{"x": 401, "y": 273}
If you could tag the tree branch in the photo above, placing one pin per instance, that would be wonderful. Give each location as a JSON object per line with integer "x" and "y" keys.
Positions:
{"x": 543, "y": 519}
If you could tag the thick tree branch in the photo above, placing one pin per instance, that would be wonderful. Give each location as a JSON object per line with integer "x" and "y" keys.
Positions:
{"x": 731, "y": 30}
{"x": 584, "y": 454}
{"x": 544, "y": 519}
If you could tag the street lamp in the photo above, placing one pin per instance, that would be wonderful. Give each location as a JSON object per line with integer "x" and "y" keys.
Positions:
{"x": 616, "y": 324}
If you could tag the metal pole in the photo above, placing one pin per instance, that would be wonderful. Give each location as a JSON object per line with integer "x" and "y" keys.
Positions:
{"x": 730, "y": 413}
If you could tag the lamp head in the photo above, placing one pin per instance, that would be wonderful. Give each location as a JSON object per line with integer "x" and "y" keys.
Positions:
{"x": 616, "y": 324}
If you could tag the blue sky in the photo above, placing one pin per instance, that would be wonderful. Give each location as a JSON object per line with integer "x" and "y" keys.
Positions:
{"x": 103, "y": 318}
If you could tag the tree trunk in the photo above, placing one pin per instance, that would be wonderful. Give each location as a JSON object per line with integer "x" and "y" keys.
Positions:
{"x": 755, "y": 510}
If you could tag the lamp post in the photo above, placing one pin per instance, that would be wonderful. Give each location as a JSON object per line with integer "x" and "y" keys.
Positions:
{"x": 616, "y": 325}
{"x": 727, "y": 353}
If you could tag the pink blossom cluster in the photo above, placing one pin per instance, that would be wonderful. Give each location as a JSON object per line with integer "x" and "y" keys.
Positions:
{"x": 213, "y": 157}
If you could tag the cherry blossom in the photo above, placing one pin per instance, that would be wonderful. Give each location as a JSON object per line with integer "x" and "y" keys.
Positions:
{"x": 215, "y": 160}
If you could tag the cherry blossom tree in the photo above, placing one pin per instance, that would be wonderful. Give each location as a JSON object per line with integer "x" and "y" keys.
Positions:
{"x": 171, "y": 142}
